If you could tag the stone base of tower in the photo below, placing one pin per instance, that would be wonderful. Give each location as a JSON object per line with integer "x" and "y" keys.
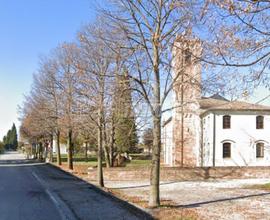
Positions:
{"x": 185, "y": 156}
{"x": 186, "y": 150}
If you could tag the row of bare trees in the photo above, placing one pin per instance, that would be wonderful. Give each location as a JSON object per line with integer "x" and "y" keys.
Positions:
{"x": 74, "y": 91}
{"x": 81, "y": 91}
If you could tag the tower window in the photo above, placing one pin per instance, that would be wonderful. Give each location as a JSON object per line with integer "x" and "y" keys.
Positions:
{"x": 259, "y": 122}
{"x": 187, "y": 56}
{"x": 259, "y": 150}
{"x": 226, "y": 150}
{"x": 226, "y": 122}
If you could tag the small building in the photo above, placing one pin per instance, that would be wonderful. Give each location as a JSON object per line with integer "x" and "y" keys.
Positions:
{"x": 63, "y": 148}
{"x": 228, "y": 134}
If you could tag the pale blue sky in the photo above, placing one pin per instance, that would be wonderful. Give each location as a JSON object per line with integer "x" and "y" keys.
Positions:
{"x": 28, "y": 29}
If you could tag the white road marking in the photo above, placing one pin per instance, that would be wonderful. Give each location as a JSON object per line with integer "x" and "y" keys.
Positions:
{"x": 63, "y": 209}
{"x": 7, "y": 164}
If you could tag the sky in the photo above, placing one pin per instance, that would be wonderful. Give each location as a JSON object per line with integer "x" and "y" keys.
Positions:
{"x": 28, "y": 30}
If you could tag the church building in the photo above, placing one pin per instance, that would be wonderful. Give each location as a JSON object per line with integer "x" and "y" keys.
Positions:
{"x": 211, "y": 131}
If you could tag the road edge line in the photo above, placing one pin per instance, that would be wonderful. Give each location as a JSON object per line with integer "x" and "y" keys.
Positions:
{"x": 62, "y": 207}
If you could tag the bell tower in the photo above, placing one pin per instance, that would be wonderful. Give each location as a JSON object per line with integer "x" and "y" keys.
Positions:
{"x": 186, "y": 93}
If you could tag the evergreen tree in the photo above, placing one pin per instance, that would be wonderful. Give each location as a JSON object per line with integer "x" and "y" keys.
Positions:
{"x": 148, "y": 139}
{"x": 125, "y": 123}
{"x": 14, "y": 137}
{"x": 10, "y": 141}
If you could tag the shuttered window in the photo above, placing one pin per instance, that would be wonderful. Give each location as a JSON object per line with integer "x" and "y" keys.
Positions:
{"x": 226, "y": 150}
{"x": 226, "y": 121}
{"x": 259, "y": 150}
{"x": 259, "y": 122}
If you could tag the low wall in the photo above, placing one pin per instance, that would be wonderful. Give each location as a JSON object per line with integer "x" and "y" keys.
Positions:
{"x": 182, "y": 174}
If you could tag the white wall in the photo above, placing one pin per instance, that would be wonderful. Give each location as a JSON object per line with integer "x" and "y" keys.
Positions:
{"x": 243, "y": 137}
{"x": 63, "y": 148}
{"x": 207, "y": 148}
{"x": 167, "y": 144}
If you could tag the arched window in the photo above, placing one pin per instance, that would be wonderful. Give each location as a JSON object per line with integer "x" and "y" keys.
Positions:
{"x": 259, "y": 122}
{"x": 226, "y": 122}
{"x": 259, "y": 150}
{"x": 226, "y": 150}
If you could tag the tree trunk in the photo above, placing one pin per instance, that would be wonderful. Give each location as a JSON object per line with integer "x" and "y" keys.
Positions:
{"x": 40, "y": 151}
{"x": 58, "y": 150}
{"x": 154, "y": 200}
{"x": 70, "y": 149}
{"x": 100, "y": 131}
{"x": 36, "y": 150}
{"x": 105, "y": 147}
{"x": 107, "y": 156}
{"x": 100, "y": 170}
{"x": 51, "y": 149}
{"x": 86, "y": 149}
{"x": 112, "y": 145}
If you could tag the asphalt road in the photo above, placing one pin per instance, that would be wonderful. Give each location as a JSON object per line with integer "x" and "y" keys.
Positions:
{"x": 37, "y": 191}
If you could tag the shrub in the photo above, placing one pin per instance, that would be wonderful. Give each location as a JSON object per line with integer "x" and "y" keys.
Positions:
{"x": 1, "y": 147}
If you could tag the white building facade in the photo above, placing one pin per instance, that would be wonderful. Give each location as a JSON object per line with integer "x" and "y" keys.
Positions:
{"x": 231, "y": 134}
{"x": 236, "y": 138}
{"x": 63, "y": 148}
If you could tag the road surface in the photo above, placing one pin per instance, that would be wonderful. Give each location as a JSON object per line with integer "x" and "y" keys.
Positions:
{"x": 37, "y": 191}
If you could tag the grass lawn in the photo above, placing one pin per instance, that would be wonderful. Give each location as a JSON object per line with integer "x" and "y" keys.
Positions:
{"x": 261, "y": 186}
{"x": 139, "y": 163}
{"x": 133, "y": 163}
{"x": 79, "y": 159}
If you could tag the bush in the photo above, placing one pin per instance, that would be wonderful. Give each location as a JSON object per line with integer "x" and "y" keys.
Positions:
{"x": 1, "y": 147}
{"x": 135, "y": 150}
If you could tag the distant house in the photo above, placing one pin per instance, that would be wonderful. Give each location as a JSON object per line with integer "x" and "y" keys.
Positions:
{"x": 208, "y": 132}
{"x": 63, "y": 148}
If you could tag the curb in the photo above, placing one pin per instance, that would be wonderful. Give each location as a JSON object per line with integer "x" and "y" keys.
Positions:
{"x": 136, "y": 210}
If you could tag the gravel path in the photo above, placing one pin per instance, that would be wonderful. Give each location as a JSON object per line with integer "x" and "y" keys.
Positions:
{"x": 223, "y": 199}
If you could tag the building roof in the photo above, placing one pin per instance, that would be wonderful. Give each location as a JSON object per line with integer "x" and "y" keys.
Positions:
{"x": 219, "y": 97}
{"x": 217, "y": 102}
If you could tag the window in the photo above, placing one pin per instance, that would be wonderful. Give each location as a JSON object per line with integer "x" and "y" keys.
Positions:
{"x": 226, "y": 121}
{"x": 187, "y": 56}
{"x": 259, "y": 150}
{"x": 259, "y": 122}
{"x": 226, "y": 150}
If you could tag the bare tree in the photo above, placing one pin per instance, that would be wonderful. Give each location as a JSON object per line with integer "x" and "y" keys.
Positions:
{"x": 46, "y": 82}
{"x": 149, "y": 29}
{"x": 66, "y": 57}
{"x": 236, "y": 43}
{"x": 95, "y": 87}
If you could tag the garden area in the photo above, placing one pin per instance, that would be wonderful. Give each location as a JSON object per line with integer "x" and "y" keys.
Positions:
{"x": 82, "y": 163}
